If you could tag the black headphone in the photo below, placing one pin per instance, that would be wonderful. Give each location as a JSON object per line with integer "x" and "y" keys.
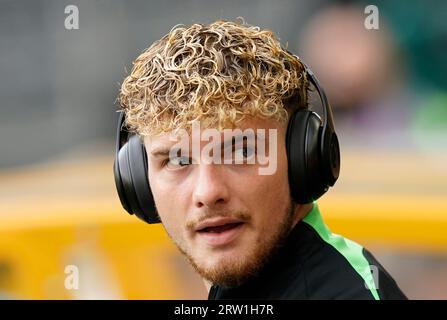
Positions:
{"x": 313, "y": 155}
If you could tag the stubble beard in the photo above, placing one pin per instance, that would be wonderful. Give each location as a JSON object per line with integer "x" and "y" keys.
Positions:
{"x": 234, "y": 273}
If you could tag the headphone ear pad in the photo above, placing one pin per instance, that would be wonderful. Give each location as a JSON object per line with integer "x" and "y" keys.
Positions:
{"x": 132, "y": 170}
{"x": 124, "y": 182}
{"x": 139, "y": 171}
{"x": 303, "y": 153}
{"x": 331, "y": 157}
{"x": 119, "y": 183}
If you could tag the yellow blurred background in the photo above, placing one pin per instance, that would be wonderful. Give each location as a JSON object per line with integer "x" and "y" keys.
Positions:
{"x": 67, "y": 213}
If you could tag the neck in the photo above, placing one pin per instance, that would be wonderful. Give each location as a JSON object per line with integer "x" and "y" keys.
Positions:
{"x": 301, "y": 211}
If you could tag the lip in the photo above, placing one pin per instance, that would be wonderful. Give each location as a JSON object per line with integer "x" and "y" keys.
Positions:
{"x": 216, "y": 222}
{"x": 216, "y": 239}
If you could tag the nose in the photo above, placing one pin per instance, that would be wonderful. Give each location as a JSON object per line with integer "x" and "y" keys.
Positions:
{"x": 210, "y": 190}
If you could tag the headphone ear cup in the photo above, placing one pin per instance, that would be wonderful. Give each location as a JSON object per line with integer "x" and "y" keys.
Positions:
{"x": 127, "y": 194}
{"x": 303, "y": 153}
{"x": 331, "y": 157}
{"x": 119, "y": 184}
{"x": 132, "y": 181}
{"x": 139, "y": 172}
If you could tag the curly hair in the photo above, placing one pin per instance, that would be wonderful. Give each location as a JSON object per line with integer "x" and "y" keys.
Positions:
{"x": 218, "y": 74}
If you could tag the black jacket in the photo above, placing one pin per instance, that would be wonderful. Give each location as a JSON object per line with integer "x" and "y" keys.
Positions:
{"x": 316, "y": 264}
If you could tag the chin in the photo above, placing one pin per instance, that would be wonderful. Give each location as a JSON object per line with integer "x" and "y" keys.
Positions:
{"x": 213, "y": 258}
{"x": 228, "y": 273}
{"x": 228, "y": 267}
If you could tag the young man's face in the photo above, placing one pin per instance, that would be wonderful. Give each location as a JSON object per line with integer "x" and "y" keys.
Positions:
{"x": 226, "y": 218}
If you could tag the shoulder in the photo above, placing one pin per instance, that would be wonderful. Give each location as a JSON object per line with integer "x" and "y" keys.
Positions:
{"x": 338, "y": 268}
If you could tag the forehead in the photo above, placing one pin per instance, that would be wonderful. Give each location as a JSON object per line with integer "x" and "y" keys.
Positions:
{"x": 254, "y": 123}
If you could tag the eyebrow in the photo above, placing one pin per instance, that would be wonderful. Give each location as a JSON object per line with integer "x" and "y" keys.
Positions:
{"x": 160, "y": 152}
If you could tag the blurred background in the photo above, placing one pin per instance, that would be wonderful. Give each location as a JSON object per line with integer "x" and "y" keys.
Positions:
{"x": 58, "y": 89}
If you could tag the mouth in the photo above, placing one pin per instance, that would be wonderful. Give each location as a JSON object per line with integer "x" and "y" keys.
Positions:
{"x": 219, "y": 232}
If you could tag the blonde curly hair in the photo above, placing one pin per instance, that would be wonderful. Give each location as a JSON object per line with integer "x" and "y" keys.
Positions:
{"x": 218, "y": 73}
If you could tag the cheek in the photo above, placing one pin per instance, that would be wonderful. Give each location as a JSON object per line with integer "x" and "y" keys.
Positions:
{"x": 170, "y": 202}
{"x": 276, "y": 185}
{"x": 269, "y": 195}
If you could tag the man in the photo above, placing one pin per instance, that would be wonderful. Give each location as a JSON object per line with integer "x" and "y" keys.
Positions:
{"x": 212, "y": 104}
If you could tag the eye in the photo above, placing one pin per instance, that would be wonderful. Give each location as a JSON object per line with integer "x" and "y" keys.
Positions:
{"x": 176, "y": 162}
{"x": 244, "y": 152}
